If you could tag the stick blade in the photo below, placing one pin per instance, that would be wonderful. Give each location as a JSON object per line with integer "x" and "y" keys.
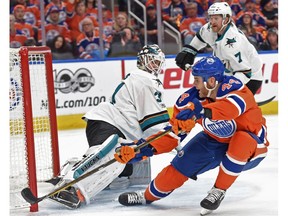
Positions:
{"x": 29, "y": 196}
{"x": 261, "y": 103}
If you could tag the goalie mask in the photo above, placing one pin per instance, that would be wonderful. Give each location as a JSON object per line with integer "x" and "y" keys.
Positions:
{"x": 151, "y": 59}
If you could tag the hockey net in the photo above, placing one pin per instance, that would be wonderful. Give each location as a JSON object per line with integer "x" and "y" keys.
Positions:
{"x": 34, "y": 155}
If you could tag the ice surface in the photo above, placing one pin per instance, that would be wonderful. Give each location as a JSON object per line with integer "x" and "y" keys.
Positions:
{"x": 255, "y": 192}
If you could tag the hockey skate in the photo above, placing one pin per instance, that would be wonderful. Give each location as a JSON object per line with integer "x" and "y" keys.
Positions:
{"x": 212, "y": 200}
{"x": 68, "y": 198}
{"x": 132, "y": 198}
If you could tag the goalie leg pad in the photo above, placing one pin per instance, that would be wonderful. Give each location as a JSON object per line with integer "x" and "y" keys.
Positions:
{"x": 97, "y": 182}
{"x": 94, "y": 154}
{"x": 94, "y": 157}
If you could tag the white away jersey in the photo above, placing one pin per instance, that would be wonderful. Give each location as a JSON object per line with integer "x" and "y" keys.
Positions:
{"x": 136, "y": 107}
{"x": 233, "y": 48}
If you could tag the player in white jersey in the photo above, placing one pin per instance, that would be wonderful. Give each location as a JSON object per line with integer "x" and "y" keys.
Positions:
{"x": 136, "y": 109}
{"x": 229, "y": 44}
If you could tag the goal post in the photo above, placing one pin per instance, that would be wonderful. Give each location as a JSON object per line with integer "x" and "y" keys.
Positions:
{"x": 34, "y": 152}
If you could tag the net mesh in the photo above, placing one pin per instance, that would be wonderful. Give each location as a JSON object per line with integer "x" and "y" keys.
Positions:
{"x": 41, "y": 125}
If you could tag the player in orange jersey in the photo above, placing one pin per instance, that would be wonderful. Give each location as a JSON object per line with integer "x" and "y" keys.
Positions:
{"x": 233, "y": 137}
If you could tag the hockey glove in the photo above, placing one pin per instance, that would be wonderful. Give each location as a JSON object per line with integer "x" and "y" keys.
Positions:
{"x": 194, "y": 108}
{"x": 127, "y": 153}
{"x": 184, "y": 126}
{"x": 186, "y": 57}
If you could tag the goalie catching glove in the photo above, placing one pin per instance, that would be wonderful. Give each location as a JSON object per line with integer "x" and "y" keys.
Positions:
{"x": 186, "y": 57}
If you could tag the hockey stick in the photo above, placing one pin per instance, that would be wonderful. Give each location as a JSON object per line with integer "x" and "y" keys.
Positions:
{"x": 30, "y": 198}
{"x": 261, "y": 103}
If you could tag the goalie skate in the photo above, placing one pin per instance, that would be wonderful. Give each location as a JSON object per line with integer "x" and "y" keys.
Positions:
{"x": 67, "y": 198}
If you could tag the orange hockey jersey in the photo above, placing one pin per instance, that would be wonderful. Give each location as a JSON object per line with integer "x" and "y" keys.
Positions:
{"x": 235, "y": 109}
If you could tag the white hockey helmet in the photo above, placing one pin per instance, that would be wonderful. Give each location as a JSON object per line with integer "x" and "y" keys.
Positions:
{"x": 221, "y": 8}
{"x": 151, "y": 59}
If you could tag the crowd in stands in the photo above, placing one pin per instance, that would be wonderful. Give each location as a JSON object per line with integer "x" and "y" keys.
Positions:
{"x": 72, "y": 26}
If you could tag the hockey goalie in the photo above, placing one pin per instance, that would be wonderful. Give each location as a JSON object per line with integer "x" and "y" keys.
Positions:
{"x": 136, "y": 109}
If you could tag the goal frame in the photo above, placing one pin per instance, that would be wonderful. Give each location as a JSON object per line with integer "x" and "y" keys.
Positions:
{"x": 28, "y": 116}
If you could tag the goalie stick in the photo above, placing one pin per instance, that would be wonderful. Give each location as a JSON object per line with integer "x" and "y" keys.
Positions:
{"x": 32, "y": 199}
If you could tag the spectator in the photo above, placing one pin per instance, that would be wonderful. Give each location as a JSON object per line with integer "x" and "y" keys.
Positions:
{"x": 257, "y": 4}
{"x": 32, "y": 13}
{"x": 152, "y": 28}
{"x": 106, "y": 18}
{"x": 79, "y": 15}
{"x": 269, "y": 11}
{"x": 91, "y": 8}
{"x": 20, "y": 23}
{"x": 252, "y": 33}
{"x": 54, "y": 26}
{"x": 121, "y": 21}
{"x": 235, "y": 7}
{"x": 60, "y": 48}
{"x": 164, "y": 3}
{"x": 203, "y": 6}
{"x": 88, "y": 42}
{"x": 191, "y": 24}
{"x": 271, "y": 42}
{"x": 37, "y": 3}
{"x": 17, "y": 37}
{"x": 174, "y": 13}
{"x": 125, "y": 44}
{"x": 107, "y": 23}
{"x": 62, "y": 9}
{"x": 258, "y": 17}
